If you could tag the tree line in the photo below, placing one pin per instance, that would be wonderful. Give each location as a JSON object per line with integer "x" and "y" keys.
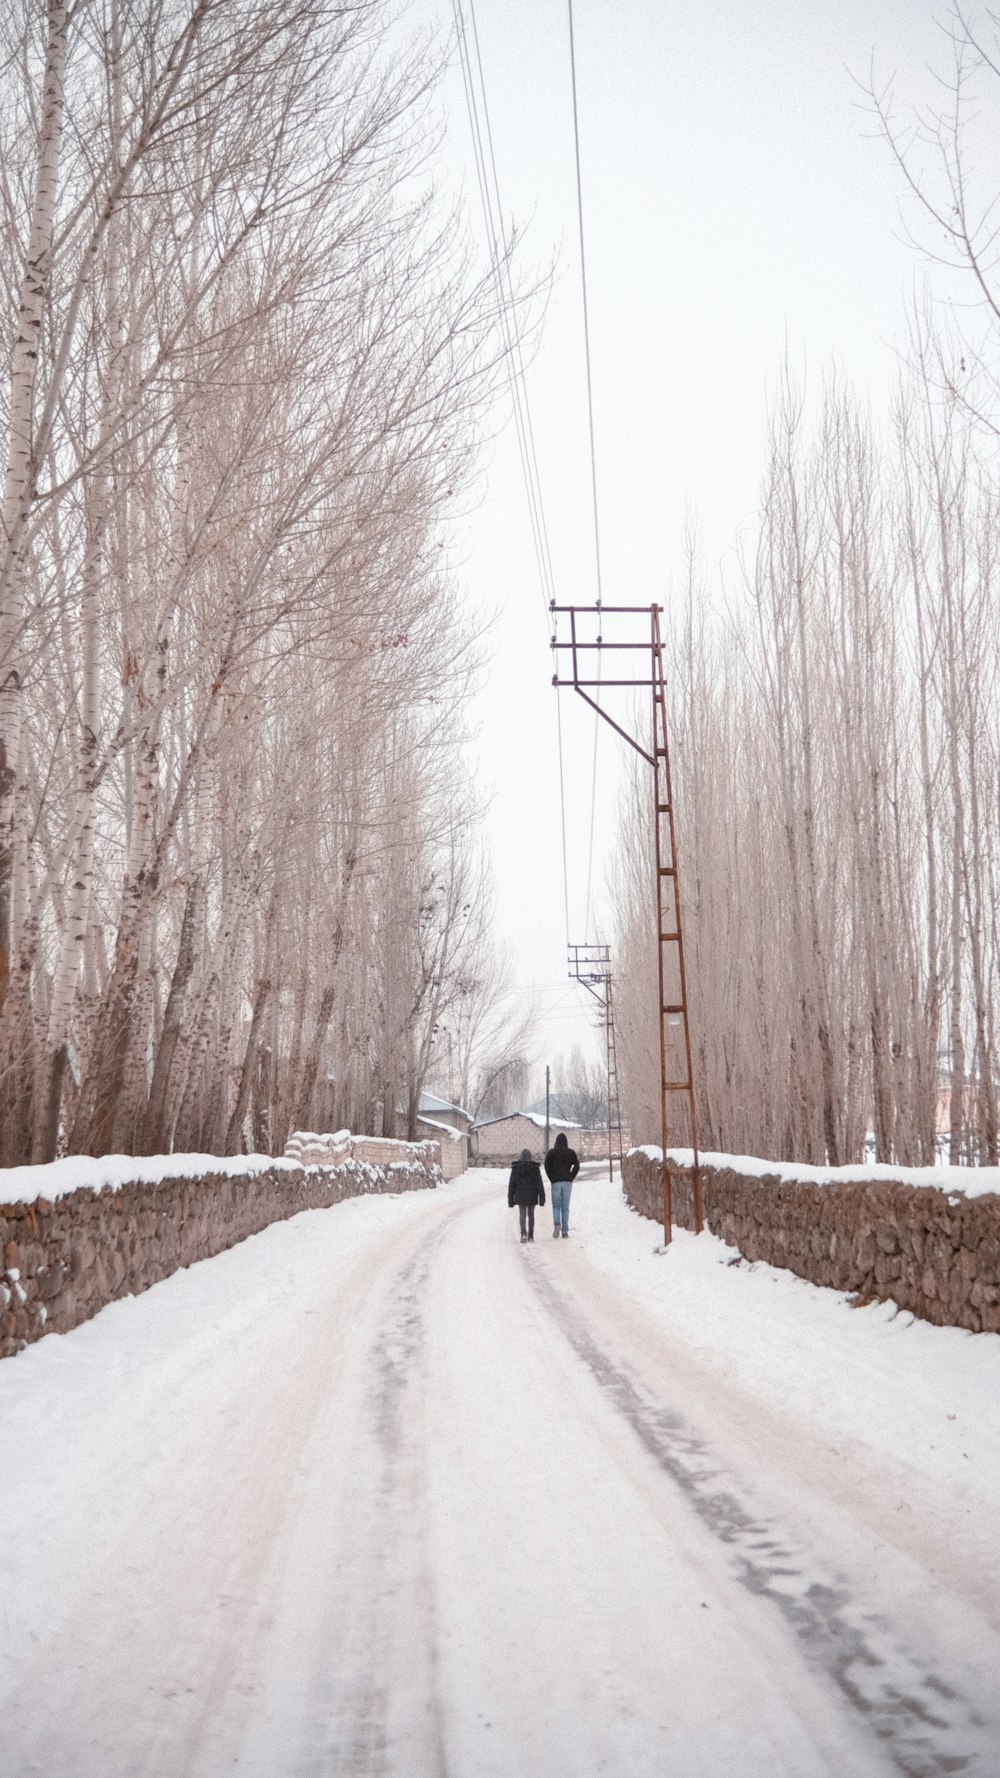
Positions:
{"x": 836, "y": 734}
{"x": 249, "y": 359}
{"x": 836, "y": 750}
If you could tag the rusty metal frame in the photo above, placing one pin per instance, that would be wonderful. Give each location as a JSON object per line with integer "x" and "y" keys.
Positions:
{"x": 650, "y": 677}
{"x": 590, "y": 964}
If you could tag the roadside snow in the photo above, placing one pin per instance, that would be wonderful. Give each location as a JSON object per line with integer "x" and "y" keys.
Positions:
{"x": 925, "y": 1396}
{"x": 968, "y": 1182}
{"x": 296, "y": 1505}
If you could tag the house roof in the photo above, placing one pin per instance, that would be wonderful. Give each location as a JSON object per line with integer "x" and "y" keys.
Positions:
{"x": 432, "y": 1123}
{"x": 530, "y": 1117}
{"x": 431, "y": 1102}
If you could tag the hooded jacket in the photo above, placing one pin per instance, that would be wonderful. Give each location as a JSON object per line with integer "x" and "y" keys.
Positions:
{"x": 561, "y": 1162}
{"x": 525, "y": 1183}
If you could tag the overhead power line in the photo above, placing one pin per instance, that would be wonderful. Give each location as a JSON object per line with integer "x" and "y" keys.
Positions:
{"x": 593, "y": 450}
{"x": 489, "y": 192}
{"x": 586, "y": 308}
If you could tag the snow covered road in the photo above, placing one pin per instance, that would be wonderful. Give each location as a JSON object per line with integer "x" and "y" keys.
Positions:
{"x": 383, "y": 1492}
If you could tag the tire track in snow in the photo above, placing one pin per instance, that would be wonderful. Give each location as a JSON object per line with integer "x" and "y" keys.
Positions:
{"x": 398, "y": 1363}
{"x": 375, "y": 1703}
{"x": 171, "y": 1666}
{"x": 925, "y": 1726}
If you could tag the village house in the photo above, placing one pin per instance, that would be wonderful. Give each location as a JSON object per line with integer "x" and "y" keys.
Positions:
{"x": 498, "y": 1141}
{"x": 440, "y": 1121}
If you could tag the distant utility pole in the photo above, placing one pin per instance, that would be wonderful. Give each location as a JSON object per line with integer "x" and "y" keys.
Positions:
{"x": 547, "y": 1142}
{"x": 591, "y": 965}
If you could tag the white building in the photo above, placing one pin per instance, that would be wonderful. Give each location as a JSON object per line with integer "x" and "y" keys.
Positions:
{"x": 449, "y": 1125}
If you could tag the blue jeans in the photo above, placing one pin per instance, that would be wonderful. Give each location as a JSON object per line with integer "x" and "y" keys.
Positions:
{"x": 561, "y": 1189}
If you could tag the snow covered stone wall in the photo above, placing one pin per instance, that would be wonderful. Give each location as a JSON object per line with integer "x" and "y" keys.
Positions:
{"x": 79, "y": 1233}
{"x": 313, "y": 1150}
{"x": 926, "y": 1238}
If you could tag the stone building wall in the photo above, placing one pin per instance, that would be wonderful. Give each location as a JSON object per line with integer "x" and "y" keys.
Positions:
{"x": 934, "y": 1252}
{"x": 63, "y": 1259}
{"x": 453, "y": 1145}
{"x": 500, "y": 1142}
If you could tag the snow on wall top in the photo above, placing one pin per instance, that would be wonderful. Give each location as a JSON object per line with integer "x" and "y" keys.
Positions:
{"x": 431, "y": 1123}
{"x": 56, "y": 1179}
{"x": 555, "y": 1123}
{"x": 966, "y": 1182}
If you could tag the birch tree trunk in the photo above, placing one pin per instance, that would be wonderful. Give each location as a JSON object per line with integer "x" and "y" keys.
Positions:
{"x": 19, "y": 467}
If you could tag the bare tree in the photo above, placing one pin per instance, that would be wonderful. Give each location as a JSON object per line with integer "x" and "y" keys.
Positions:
{"x": 250, "y": 361}
{"x": 950, "y": 218}
{"x": 834, "y": 729}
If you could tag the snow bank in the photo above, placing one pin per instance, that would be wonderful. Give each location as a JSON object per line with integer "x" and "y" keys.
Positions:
{"x": 924, "y": 1396}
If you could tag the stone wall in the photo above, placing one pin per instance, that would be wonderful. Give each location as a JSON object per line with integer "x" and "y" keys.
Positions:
{"x": 65, "y": 1258}
{"x": 932, "y": 1251}
{"x": 448, "y": 1149}
{"x": 592, "y": 1145}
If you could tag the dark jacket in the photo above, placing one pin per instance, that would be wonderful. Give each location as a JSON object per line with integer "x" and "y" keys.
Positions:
{"x": 562, "y": 1162}
{"x": 525, "y": 1184}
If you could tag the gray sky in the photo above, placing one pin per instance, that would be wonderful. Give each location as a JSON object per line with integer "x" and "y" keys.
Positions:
{"x": 736, "y": 205}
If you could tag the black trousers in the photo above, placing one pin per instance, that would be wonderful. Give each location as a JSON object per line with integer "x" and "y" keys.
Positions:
{"x": 527, "y": 1215}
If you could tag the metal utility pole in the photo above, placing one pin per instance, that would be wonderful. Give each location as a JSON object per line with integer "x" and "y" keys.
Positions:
{"x": 548, "y": 1143}
{"x": 591, "y": 965}
{"x": 635, "y": 646}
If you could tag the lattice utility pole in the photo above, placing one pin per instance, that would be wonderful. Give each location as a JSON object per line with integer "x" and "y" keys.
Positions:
{"x": 635, "y": 648}
{"x": 591, "y": 965}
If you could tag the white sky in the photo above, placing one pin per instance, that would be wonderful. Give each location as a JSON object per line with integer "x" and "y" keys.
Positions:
{"x": 735, "y": 199}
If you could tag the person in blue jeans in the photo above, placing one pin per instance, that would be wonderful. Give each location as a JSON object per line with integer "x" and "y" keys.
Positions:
{"x": 562, "y": 1164}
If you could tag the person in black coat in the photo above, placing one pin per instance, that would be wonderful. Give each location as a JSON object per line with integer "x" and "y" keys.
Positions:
{"x": 525, "y": 1189}
{"x": 562, "y": 1164}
